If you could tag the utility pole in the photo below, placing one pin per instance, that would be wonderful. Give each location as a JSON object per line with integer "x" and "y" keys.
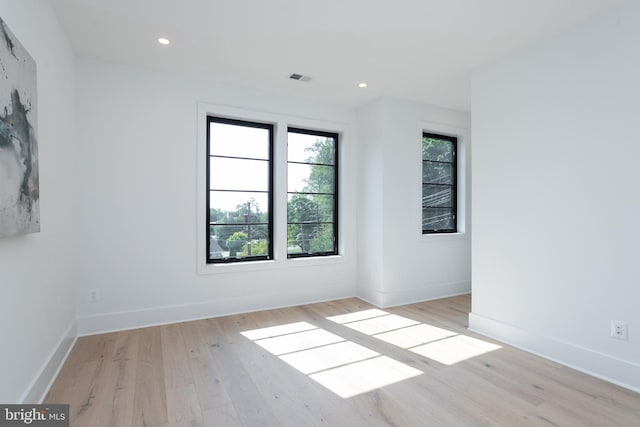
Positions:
{"x": 246, "y": 220}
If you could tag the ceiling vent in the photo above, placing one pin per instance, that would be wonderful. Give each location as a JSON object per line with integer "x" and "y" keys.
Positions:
{"x": 300, "y": 77}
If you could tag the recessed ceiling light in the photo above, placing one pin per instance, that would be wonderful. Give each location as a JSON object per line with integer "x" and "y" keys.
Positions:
{"x": 163, "y": 40}
{"x": 363, "y": 84}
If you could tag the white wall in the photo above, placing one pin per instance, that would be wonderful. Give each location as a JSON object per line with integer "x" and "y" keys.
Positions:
{"x": 119, "y": 194}
{"x": 398, "y": 264}
{"x": 36, "y": 313}
{"x": 137, "y": 198}
{"x": 370, "y": 202}
{"x": 556, "y": 201}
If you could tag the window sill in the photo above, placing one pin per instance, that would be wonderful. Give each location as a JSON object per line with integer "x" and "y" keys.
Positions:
{"x": 463, "y": 235}
{"x": 251, "y": 266}
{"x": 313, "y": 261}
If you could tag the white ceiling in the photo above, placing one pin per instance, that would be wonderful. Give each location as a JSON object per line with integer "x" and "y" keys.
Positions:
{"x": 422, "y": 50}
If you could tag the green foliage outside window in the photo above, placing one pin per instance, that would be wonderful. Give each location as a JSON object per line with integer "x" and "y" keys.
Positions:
{"x": 438, "y": 184}
{"x": 311, "y": 216}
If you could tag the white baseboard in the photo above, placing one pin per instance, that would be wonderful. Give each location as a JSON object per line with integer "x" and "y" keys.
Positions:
{"x": 40, "y": 385}
{"x": 120, "y": 321}
{"x": 110, "y": 322}
{"x": 606, "y": 367}
{"x": 426, "y": 293}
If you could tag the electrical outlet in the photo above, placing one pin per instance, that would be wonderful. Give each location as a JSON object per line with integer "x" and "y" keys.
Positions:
{"x": 94, "y": 295}
{"x": 619, "y": 329}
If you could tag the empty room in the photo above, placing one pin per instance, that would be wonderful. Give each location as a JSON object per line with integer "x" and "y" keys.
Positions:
{"x": 296, "y": 213}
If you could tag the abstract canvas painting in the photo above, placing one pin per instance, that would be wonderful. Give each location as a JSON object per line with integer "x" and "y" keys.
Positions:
{"x": 19, "y": 186}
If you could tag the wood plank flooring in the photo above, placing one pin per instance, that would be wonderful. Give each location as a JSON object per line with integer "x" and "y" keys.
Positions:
{"x": 300, "y": 366}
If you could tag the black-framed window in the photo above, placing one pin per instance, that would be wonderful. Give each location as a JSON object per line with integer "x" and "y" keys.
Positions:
{"x": 239, "y": 190}
{"x": 312, "y": 205}
{"x": 439, "y": 186}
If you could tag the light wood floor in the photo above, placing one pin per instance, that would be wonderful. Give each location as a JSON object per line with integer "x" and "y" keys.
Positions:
{"x": 207, "y": 373}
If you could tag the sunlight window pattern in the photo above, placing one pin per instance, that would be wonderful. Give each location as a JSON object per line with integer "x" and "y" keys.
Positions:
{"x": 342, "y": 366}
{"x": 439, "y": 344}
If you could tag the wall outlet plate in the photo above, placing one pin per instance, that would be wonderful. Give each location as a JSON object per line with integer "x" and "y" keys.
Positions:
{"x": 619, "y": 329}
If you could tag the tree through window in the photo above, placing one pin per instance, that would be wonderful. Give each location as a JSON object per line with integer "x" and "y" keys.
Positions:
{"x": 239, "y": 196}
{"x": 439, "y": 205}
{"x": 312, "y": 210}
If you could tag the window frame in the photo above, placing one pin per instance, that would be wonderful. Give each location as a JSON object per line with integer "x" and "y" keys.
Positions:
{"x": 270, "y": 127}
{"x": 336, "y": 149}
{"x": 280, "y": 120}
{"x": 454, "y": 185}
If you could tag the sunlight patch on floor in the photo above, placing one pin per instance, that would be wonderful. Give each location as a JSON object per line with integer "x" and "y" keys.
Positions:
{"x": 278, "y": 330}
{"x": 349, "y": 369}
{"x": 357, "y": 315}
{"x": 342, "y": 366}
{"x": 452, "y": 350}
{"x": 381, "y": 324}
{"x": 361, "y": 377}
{"x": 298, "y": 341}
{"x": 329, "y": 356}
{"x": 439, "y": 344}
{"x": 416, "y": 335}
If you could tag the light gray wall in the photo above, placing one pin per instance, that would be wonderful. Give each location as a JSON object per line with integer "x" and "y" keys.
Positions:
{"x": 398, "y": 264}
{"x": 139, "y": 166}
{"x": 556, "y": 201}
{"x": 138, "y": 194}
{"x": 119, "y": 187}
{"x": 36, "y": 310}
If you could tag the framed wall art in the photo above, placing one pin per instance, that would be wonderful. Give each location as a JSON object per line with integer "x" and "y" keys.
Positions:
{"x": 19, "y": 178}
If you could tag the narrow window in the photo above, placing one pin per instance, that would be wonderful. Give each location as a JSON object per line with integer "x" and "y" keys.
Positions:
{"x": 239, "y": 197}
{"x": 439, "y": 206}
{"x": 312, "y": 210}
